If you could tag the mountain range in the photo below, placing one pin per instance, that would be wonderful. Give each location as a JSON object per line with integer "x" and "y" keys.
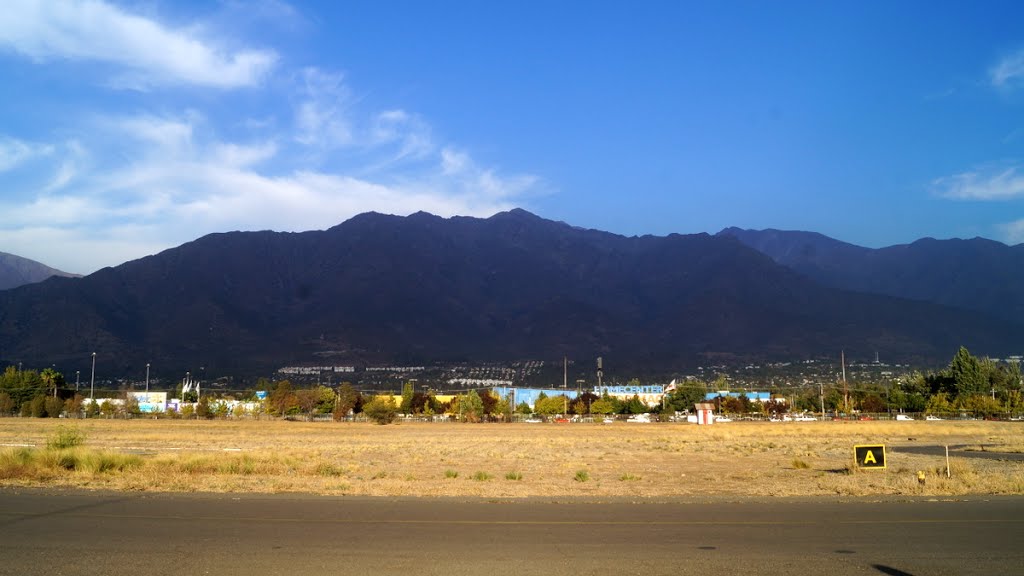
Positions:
{"x": 17, "y": 271}
{"x": 421, "y": 289}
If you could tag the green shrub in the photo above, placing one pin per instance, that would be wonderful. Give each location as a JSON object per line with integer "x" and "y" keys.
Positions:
{"x": 65, "y": 437}
{"x": 451, "y": 473}
{"x": 482, "y": 476}
{"x": 582, "y": 476}
{"x": 381, "y": 409}
{"x": 628, "y": 478}
{"x": 514, "y": 476}
{"x": 800, "y": 464}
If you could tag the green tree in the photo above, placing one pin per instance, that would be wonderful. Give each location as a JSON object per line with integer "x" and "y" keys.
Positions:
{"x": 602, "y": 406}
{"x": 107, "y": 409}
{"x": 471, "y": 406}
{"x": 635, "y": 406}
{"x": 381, "y": 409}
{"x": 92, "y": 409}
{"x": 549, "y": 406}
{"x": 523, "y": 408}
{"x": 939, "y": 404}
{"x": 408, "y": 391}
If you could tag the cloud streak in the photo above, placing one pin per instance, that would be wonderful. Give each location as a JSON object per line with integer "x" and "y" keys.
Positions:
{"x": 149, "y": 53}
{"x": 988, "y": 183}
{"x": 1008, "y": 71}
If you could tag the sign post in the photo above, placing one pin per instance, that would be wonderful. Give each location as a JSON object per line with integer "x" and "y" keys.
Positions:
{"x": 869, "y": 456}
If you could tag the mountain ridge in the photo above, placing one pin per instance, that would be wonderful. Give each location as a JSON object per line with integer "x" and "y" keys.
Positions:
{"x": 381, "y": 289}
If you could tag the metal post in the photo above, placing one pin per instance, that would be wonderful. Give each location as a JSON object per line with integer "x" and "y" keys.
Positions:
{"x": 77, "y": 374}
{"x": 92, "y": 381}
{"x": 147, "y": 377}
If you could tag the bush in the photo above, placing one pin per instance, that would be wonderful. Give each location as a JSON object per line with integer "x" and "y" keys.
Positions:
{"x": 53, "y": 406}
{"x": 381, "y": 409}
{"x": 65, "y": 437}
{"x": 482, "y": 476}
{"x": 582, "y": 476}
{"x": 451, "y": 473}
{"x": 514, "y": 476}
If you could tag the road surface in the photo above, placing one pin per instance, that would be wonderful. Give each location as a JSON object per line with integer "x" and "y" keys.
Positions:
{"x": 52, "y": 533}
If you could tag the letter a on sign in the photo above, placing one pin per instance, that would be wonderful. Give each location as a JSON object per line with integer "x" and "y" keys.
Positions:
{"x": 869, "y": 456}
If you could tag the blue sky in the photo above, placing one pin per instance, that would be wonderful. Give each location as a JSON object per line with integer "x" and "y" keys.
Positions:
{"x": 132, "y": 127}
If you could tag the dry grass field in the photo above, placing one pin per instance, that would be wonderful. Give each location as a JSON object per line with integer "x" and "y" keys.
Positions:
{"x": 507, "y": 460}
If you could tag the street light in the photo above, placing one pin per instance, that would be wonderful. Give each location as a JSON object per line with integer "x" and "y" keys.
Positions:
{"x": 92, "y": 380}
{"x": 147, "y": 377}
{"x": 77, "y": 374}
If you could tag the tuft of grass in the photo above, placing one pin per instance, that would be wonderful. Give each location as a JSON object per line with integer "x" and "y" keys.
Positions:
{"x": 451, "y": 473}
{"x": 482, "y": 476}
{"x": 65, "y": 437}
{"x": 514, "y": 476}
{"x": 628, "y": 478}
{"x": 329, "y": 470}
{"x": 582, "y": 476}
{"x": 800, "y": 464}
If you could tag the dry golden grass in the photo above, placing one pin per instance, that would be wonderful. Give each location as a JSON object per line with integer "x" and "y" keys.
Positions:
{"x": 506, "y": 460}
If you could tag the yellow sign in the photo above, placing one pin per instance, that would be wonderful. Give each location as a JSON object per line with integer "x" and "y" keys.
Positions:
{"x": 869, "y": 456}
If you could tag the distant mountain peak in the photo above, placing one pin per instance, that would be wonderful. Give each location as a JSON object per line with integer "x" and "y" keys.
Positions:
{"x": 17, "y": 271}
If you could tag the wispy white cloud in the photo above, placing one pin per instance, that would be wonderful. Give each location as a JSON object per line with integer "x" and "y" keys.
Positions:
{"x": 322, "y": 114}
{"x": 122, "y": 186}
{"x": 996, "y": 182}
{"x": 1008, "y": 71}
{"x": 149, "y": 52}
{"x": 174, "y": 180}
{"x": 14, "y": 152}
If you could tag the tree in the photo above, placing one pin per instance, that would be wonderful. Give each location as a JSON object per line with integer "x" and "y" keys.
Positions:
{"x": 523, "y": 408}
{"x": 635, "y": 406}
{"x": 346, "y": 400}
{"x": 51, "y": 380}
{"x": 407, "y": 395}
{"x": 325, "y": 399}
{"x": 471, "y": 406}
{"x": 938, "y": 404}
{"x": 107, "y": 409}
{"x": 305, "y": 401}
{"x": 381, "y": 409}
{"x": 54, "y": 406}
{"x": 685, "y": 396}
{"x": 872, "y": 403}
{"x": 131, "y": 405}
{"x": 6, "y": 404}
{"x": 776, "y": 408}
{"x": 602, "y": 406}
{"x": 281, "y": 400}
{"x": 549, "y": 406}
{"x": 37, "y": 406}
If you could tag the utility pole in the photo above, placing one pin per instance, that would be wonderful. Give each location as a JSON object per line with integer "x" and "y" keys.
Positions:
{"x": 147, "y": 377}
{"x": 821, "y": 396}
{"x": 846, "y": 391}
{"x": 92, "y": 380}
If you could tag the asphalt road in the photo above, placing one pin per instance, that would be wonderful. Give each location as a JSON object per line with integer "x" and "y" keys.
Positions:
{"x": 46, "y": 532}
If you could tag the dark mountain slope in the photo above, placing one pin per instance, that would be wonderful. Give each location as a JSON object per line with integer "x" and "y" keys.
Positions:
{"x": 385, "y": 289}
{"x": 976, "y": 274}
